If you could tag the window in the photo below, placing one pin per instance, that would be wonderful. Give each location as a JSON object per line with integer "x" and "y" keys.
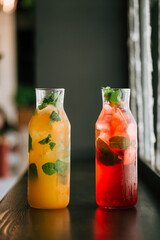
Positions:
{"x": 144, "y": 68}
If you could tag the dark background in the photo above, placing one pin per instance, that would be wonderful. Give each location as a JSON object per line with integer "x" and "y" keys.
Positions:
{"x": 78, "y": 45}
{"x": 81, "y": 46}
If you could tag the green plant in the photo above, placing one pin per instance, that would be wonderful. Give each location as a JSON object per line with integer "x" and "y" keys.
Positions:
{"x": 25, "y": 95}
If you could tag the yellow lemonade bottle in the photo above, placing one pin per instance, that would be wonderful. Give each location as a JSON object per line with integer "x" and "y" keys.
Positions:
{"x": 49, "y": 152}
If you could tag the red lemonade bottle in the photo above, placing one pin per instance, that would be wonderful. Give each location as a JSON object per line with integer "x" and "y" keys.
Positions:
{"x": 116, "y": 151}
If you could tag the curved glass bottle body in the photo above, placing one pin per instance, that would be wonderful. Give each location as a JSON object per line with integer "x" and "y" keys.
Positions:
{"x": 49, "y": 152}
{"x": 116, "y": 155}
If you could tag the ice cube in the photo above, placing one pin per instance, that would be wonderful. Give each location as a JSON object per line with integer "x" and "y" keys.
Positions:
{"x": 104, "y": 136}
{"x": 107, "y": 109}
{"x": 103, "y": 126}
{"x": 131, "y": 131}
{"x": 107, "y": 113}
{"x": 129, "y": 155}
{"x": 119, "y": 130}
{"x": 118, "y": 119}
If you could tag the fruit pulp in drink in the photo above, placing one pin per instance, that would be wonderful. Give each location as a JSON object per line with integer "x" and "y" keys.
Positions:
{"x": 116, "y": 160}
{"x": 49, "y": 188}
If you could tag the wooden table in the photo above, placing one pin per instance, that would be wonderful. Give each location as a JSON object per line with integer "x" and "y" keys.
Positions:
{"x": 82, "y": 219}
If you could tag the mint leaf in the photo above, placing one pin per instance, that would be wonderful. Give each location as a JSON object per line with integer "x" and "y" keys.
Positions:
{"x": 30, "y": 143}
{"x": 116, "y": 97}
{"x": 49, "y": 168}
{"x": 108, "y": 93}
{"x": 102, "y": 146}
{"x": 52, "y": 145}
{"x": 35, "y": 112}
{"x": 119, "y": 142}
{"x": 43, "y": 105}
{"x": 32, "y": 171}
{"x": 53, "y": 98}
{"x": 48, "y": 140}
{"x": 108, "y": 157}
{"x": 45, "y": 100}
{"x": 57, "y": 100}
{"x": 61, "y": 167}
{"x": 45, "y": 140}
{"x": 54, "y": 117}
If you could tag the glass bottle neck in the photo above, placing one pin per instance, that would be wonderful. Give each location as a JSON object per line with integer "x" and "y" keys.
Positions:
{"x": 122, "y": 101}
{"x": 54, "y": 96}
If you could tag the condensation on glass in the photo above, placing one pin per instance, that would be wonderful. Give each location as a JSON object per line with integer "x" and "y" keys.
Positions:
{"x": 49, "y": 152}
{"x": 116, "y": 153}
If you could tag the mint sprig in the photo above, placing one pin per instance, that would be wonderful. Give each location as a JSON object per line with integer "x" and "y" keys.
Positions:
{"x": 35, "y": 112}
{"x": 52, "y": 145}
{"x": 119, "y": 142}
{"x": 43, "y": 105}
{"x": 53, "y": 98}
{"x": 45, "y": 140}
{"x": 48, "y": 140}
{"x": 49, "y": 168}
{"x": 108, "y": 157}
{"x": 108, "y": 93}
{"x": 54, "y": 117}
{"x": 114, "y": 97}
{"x": 60, "y": 166}
{"x": 30, "y": 143}
{"x": 32, "y": 171}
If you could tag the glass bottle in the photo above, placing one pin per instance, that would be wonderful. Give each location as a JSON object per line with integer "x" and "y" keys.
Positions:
{"x": 49, "y": 152}
{"x": 116, "y": 151}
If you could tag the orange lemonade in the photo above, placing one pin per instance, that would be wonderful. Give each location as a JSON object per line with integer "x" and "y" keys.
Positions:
{"x": 49, "y": 152}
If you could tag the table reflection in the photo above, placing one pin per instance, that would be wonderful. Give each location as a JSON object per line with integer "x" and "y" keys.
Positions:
{"x": 110, "y": 224}
{"x": 50, "y": 224}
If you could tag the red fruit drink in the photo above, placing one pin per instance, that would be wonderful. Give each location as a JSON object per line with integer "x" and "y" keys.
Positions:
{"x": 116, "y": 151}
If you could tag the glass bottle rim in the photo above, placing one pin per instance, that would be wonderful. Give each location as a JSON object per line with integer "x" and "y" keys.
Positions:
{"x": 124, "y": 98}
{"x": 117, "y": 88}
{"x": 124, "y": 91}
{"x": 59, "y": 89}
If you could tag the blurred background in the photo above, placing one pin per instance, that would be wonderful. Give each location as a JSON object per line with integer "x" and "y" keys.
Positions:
{"x": 80, "y": 46}
{"x": 77, "y": 45}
